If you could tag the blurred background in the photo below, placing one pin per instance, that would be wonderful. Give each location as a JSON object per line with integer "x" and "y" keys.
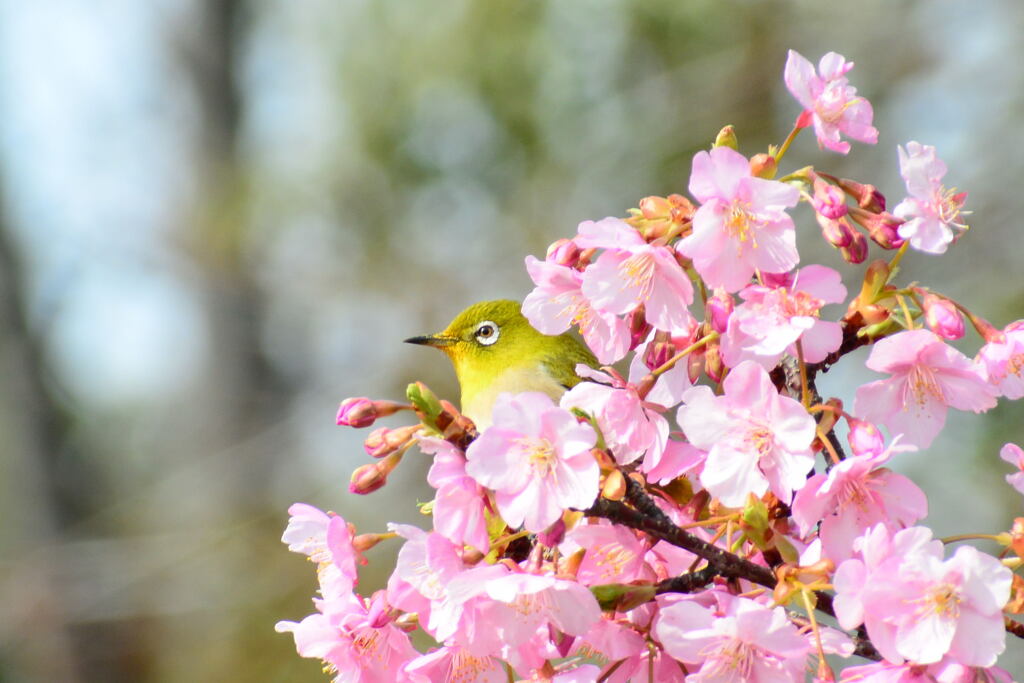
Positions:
{"x": 218, "y": 218}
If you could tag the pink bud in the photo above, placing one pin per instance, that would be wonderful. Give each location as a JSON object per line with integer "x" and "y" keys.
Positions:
{"x": 564, "y": 252}
{"x": 864, "y": 438}
{"x": 654, "y": 207}
{"x": 384, "y": 441}
{"x": 942, "y": 317}
{"x": 719, "y": 307}
{"x": 659, "y": 350}
{"x": 857, "y": 250}
{"x": 553, "y": 535}
{"x": 828, "y": 200}
{"x": 868, "y": 197}
{"x": 372, "y": 476}
{"x": 838, "y": 233}
{"x": 639, "y": 328}
{"x": 882, "y": 227}
{"x": 356, "y": 412}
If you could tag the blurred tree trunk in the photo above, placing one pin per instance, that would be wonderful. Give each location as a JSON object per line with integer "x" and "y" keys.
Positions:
{"x": 245, "y": 391}
{"x": 44, "y": 487}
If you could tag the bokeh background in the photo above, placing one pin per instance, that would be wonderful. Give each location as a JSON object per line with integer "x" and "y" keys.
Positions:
{"x": 218, "y": 218}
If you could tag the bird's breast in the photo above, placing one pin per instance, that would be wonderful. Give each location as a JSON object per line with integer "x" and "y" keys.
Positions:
{"x": 478, "y": 398}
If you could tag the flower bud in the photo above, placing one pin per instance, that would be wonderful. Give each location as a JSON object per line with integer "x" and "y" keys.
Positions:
{"x": 622, "y": 597}
{"x": 372, "y": 476}
{"x": 385, "y": 441}
{"x": 942, "y": 317}
{"x": 837, "y": 232}
{"x": 727, "y": 138}
{"x": 362, "y": 412}
{"x": 639, "y": 328}
{"x": 882, "y": 227}
{"x": 713, "y": 364}
{"x": 654, "y": 207}
{"x": 857, "y": 250}
{"x": 763, "y": 166}
{"x": 564, "y": 252}
{"x": 659, "y": 351}
{"x": 364, "y": 542}
{"x": 867, "y": 196}
{"x": 356, "y": 412}
{"x": 718, "y": 309}
{"x": 828, "y": 200}
{"x": 864, "y": 438}
{"x": 553, "y": 535}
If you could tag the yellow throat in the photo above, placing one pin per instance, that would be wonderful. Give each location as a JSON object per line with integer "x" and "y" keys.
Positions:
{"x": 495, "y": 349}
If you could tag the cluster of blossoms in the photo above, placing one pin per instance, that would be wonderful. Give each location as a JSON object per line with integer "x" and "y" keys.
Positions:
{"x": 697, "y": 517}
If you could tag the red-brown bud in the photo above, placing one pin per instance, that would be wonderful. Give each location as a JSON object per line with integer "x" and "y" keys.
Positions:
{"x": 882, "y": 227}
{"x": 836, "y": 231}
{"x": 857, "y": 250}
{"x": 867, "y": 196}
{"x": 763, "y": 166}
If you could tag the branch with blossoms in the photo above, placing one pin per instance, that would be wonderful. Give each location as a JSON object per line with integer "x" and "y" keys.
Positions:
{"x": 694, "y": 514}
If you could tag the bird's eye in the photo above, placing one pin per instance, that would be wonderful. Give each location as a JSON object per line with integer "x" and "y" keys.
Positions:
{"x": 486, "y": 333}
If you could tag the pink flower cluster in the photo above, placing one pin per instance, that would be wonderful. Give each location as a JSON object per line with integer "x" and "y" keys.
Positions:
{"x": 692, "y": 518}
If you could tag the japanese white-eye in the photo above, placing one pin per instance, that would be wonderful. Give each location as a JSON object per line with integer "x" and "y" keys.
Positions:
{"x": 495, "y": 349}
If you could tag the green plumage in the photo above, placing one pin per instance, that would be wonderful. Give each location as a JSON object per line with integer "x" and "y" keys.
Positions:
{"x": 495, "y": 349}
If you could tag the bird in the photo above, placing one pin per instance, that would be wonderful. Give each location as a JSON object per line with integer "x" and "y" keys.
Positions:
{"x": 494, "y": 350}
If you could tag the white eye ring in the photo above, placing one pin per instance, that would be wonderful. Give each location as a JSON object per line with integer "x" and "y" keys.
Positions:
{"x": 487, "y": 333}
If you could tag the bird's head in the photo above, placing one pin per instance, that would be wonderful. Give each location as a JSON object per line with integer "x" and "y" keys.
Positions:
{"x": 494, "y": 348}
{"x": 488, "y": 337}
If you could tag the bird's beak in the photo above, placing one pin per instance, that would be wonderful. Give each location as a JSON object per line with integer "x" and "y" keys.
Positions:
{"x": 435, "y": 340}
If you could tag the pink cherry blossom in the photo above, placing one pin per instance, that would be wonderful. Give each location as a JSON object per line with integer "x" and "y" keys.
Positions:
{"x": 1003, "y": 359}
{"x": 557, "y": 303}
{"x": 771, "y": 320}
{"x": 460, "y": 503}
{"x": 669, "y": 386}
{"x": 742, "y": 225}
{"x": 855, "y": 495}
{"x": 631, "y": 428}
{"x": 946, "y": 671}
{"x": 613, "y": 554}
{"x": 630, "y": 273}
{"x": 830, "y": 101}
{"x": 749, "y": 642}
{"x": 536, "y": 457}
{"x": 353, "y": 641}
{"x": 1013, "y": 454}
{"x": 516, "y": 605}
{"x": 326, "y": 538}
{"x": 917, "y": 606}
{"x": 931, "y": 212}
{"x": 928, "y": 377}
{"x": 454, "y": 663}
{"x": 426, "y": 562}
{"x": 756, "y": 439}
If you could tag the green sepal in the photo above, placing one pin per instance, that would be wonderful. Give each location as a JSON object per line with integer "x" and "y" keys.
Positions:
{"x": 622, "y": 597}
{"x": 755, "y": 523}
{"x": 425, "y": 403}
